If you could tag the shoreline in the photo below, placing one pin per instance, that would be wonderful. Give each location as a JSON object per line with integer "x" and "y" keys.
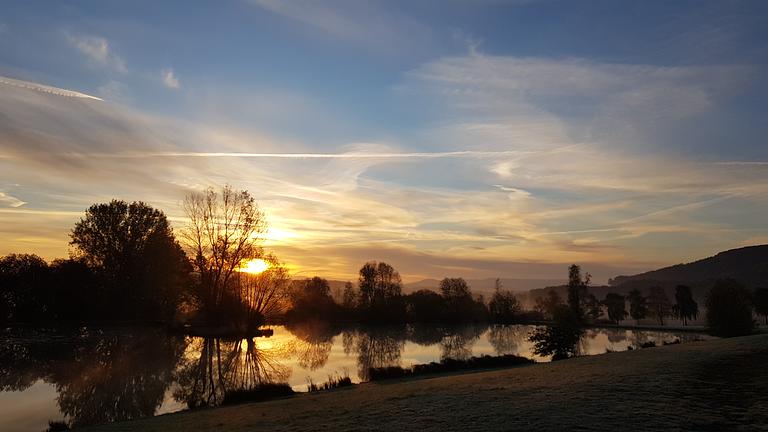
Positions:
{"x": 709, "y": 385}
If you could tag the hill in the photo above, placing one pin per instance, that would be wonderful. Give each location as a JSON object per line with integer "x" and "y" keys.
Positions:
{"x": 748, "y": 265}
{"x": 485, "y": 286}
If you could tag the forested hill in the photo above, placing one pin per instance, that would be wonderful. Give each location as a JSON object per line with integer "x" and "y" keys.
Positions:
{"x": 749, "y": 265}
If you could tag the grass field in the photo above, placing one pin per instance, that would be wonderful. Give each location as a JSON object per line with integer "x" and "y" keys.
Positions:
{"x": 718, "y": 385}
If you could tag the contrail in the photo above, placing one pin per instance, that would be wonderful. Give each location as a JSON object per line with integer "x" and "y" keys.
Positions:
{"x": 46, "y": 89}
{"x": 353, "y": 155}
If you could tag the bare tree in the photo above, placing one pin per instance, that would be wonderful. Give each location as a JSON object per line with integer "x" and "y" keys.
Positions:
{"x": 224, "y": 231}
{"x": 263, "y": 295}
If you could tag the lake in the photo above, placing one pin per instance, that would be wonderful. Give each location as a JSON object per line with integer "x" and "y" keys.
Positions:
{"x": 92, "y": 376}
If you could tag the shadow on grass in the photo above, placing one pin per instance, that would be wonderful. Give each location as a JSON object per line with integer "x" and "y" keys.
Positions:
{"x": 260, "y": 393}
{"x": 448, "y": 365}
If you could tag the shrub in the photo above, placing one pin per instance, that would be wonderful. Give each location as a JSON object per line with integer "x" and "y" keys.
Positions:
{"x": 259, "y": 393}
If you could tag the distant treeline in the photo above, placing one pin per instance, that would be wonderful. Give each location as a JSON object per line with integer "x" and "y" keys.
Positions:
{"x": 126, "y": 264}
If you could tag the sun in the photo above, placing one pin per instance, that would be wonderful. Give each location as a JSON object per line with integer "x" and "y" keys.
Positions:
{"x": 254, "y": 266}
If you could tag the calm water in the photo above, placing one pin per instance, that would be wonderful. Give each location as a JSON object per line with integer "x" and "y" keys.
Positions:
{"x": 96, "y": 376}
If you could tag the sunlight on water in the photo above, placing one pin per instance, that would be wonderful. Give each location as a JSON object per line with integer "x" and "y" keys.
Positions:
{"x": 78, "y": 377}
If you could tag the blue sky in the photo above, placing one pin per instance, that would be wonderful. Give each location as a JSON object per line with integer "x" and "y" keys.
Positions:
{"x": 479, "y": 138}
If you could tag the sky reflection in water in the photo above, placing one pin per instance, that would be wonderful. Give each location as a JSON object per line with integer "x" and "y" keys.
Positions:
{"x": 90, "y": 377}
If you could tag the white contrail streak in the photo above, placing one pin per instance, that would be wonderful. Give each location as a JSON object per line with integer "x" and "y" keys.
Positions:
{"x": 423, "y": 155}
{"x": 45, "y": 89}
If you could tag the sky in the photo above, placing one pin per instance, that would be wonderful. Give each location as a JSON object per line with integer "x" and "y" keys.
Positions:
{"x": 480, "y": 139}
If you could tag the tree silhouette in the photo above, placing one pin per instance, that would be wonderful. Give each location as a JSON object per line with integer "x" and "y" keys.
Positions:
{"x": 638, "y": 307}
{"x": 23, "y": 280}
{"x": 685, "y": 307}
{"x": 729, "y": 309}
{"x": 615, "y": 305}
{"x": 380, "y": 292}
{"x": 504, "y": 306}
{"x": 261, "y": 296}
{"x": 659, "y": 305}
{"x": 131, "y": 247}
{"x": 224, "y": 231}
{"x": 577, "y": 290}
{"x": 760, "y": 300}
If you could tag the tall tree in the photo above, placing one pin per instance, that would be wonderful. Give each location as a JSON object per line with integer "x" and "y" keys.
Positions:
{"x": 616, "y": 307}
{"x": 349, "y": 297}
{"x": 685, "y": 307}
{"x": 132, "y": 247}
{"x": 659, "y": 305}
{"x": 504, "y": 306}
{"x": 378, "y": 282}
{"x": 760, "y": 300}
{"x": 729, "y": 309}
{"x": 577, "y": 290}
{"x": 224, "y": 231}
{"x": 638, "y": 307}
{"x": 561, "y": 338}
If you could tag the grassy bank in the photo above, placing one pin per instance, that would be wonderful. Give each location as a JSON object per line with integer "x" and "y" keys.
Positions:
{"x": 698, "y": 386}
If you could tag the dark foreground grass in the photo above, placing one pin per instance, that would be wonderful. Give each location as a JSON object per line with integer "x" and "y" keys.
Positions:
{"x": 447, "y": 365}
{"x": 715, "y": 385}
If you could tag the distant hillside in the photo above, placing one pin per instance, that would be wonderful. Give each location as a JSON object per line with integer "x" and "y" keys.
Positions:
{"x": 748, "y": 265}
{"x": 485, "y": 286}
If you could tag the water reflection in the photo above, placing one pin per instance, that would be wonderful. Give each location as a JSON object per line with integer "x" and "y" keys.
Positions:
{"x": 104, "y": 376}
{"x": 98, "y": 377}
{"x": 213, "y": 366}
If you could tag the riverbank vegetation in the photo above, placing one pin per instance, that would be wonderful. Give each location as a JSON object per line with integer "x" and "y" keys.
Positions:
{"x": 127, "y": 265}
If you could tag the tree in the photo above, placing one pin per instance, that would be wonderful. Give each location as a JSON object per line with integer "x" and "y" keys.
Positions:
{"x": 592, "y": 307}
{"x": 638, "y": 307}
{"x": 504, "y": 306}
{"x": 616, "y": 307}
{"x": 577, "y": 290}
{"x": 659, "y": 305}
{"x": 23, "y": 280}
{"x": 548, "y": 303}
{"x": 561, "y": 338}
{"x": 760, "y": 300}
{"x": 458, "y": 298}
{"x": 224, "y": 231}
{"x": 426, "y": 306}
{"x": 685, "y": 307}
{"x": 132, "y": 249}
{"x": 311, "y": 298}
{"x": 349, "y": 297}
{"x": 264, "y": 295}
{"x": 729, "y": 309}
{"x": 380, "y": 291}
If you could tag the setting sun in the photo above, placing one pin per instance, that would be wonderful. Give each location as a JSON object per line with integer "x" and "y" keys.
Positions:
{"x": 255, "y": 266}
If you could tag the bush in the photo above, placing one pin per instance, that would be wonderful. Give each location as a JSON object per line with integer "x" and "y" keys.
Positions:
{"x": 259, "y": 393}
{"x": 448, "y": 365}
{"x": 729, "y": 309}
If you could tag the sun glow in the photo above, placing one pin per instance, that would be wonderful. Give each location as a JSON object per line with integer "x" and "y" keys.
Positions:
{"x": 254, "y": 266}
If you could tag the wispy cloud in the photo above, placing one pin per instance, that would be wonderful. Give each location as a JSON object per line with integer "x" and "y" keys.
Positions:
{"x": 10, "y": 201}
{"x": 169, "y": 78}
{"x": 97, "y": 50}
{"x": 366, "y": 22}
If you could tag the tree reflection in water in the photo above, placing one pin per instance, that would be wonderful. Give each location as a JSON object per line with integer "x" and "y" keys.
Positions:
{"x": 100, "y": 376}
{"x": 213, "y": 366}
{"x": 457, "y": 344}
{"x": 378, "y": 347}
{"x": 314, "y": 340}
{"x": 506, "y": 339}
